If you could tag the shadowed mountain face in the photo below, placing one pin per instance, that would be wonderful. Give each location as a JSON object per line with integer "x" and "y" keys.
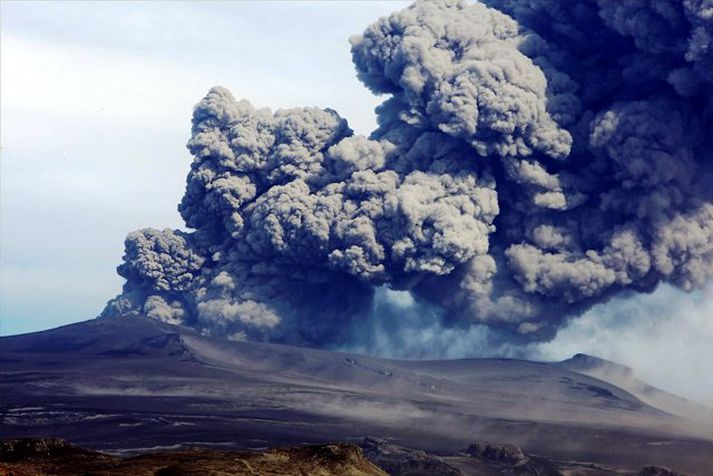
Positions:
{"x": 130, "y": 385}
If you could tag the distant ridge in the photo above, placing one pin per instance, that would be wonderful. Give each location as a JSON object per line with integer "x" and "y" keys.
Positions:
{"x": 623, "y": 377}
{"x": 584, "y": 362}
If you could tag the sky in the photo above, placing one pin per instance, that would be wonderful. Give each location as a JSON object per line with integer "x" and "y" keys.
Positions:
{"x": 95, "y": 106}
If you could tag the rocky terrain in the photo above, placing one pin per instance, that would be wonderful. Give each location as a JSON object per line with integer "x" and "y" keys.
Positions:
{"x": 55, "y": 456}
{"x": 132, "y": 386}
{"x": 40, "y": 456}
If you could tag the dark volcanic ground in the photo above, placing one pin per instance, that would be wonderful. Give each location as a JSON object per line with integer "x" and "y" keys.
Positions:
{"x": 57, "y": 457}
{"x": 373, "y": 457}
{"x": 132, "y": 385}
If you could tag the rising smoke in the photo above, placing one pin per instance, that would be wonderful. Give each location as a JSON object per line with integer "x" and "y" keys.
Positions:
{"x": 533, "y": 158}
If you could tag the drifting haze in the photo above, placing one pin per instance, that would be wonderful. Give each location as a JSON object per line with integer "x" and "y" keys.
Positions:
{"x": 664, "y": 337}
{"x": 524, "y": 169}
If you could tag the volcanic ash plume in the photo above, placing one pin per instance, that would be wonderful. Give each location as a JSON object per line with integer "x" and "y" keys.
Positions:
{"x": 532, "y": 158}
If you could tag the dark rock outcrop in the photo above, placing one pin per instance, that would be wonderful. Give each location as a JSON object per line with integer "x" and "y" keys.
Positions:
{"x": 399, "y": 461}
{"x": 510, "y": 459}
{"x": 507, "y": 454}
{"x": 34, "y": 449}
{"x": 658, "y": 471}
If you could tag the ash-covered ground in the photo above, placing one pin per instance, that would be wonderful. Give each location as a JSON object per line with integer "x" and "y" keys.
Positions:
{"x": 132, "y": 385}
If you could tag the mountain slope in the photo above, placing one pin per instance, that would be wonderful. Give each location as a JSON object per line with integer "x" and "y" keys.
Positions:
{"x": 130, "y": 384}
{"x": 624, "y": 378}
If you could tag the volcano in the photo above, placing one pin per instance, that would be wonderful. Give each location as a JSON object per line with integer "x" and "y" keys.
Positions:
{"x": 132, "y": 385}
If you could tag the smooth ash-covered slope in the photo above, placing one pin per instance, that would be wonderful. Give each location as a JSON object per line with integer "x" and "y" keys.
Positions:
{"x": 135, "y": 384}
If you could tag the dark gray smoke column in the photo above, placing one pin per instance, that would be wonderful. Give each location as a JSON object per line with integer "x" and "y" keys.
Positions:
{"x": 533, "y": 158}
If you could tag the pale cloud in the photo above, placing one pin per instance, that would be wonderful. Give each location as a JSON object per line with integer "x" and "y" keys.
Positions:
{"x": 665, "y": 337}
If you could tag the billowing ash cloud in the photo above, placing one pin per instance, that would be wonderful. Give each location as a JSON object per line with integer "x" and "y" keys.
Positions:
{"x": 533, "y": 158}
